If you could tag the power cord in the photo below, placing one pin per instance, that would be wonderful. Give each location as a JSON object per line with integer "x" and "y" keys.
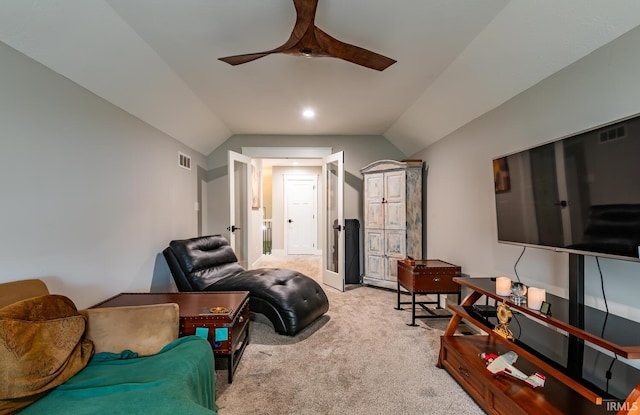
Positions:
{"x": 519, "y": 326}
{"x": 515, "y": 270}
{"x": 608, "y": 374}
{"x": 518, "y": 260}
{"x": 604, "y": 296}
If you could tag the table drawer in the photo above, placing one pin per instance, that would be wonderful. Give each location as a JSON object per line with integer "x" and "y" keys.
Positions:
{"x": 470, "y": 379}
{"x": 435, "y": 283}
{"x": 500, "y": 404}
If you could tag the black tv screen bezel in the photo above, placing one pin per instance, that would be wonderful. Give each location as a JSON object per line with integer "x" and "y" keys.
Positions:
{"x": 572, "y": 251}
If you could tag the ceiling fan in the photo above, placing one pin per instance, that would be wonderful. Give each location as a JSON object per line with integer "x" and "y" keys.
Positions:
{"x": 308, "y": 40}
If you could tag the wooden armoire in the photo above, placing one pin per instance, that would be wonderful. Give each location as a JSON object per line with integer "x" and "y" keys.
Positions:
{"x": 392, "y": 218}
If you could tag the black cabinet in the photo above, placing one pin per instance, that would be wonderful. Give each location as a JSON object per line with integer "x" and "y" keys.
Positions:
{"x": 352, "y": 251}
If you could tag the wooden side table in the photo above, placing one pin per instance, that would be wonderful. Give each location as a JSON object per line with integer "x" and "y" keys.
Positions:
{"x": 221, "y": 317}
{"x": 429, "y": 276}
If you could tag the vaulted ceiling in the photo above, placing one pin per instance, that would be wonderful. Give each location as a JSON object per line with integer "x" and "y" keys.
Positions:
{"x": 457, "y": 59}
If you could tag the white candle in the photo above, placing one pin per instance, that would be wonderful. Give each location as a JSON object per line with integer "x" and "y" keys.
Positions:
{"x": 535, "y": 297}
{"x": 503, "y": 286}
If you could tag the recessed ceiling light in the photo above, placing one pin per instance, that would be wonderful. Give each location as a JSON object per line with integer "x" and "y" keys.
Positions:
{"x": 308, "y": 113}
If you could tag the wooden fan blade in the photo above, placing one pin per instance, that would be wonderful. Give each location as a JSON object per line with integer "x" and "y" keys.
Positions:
{"x": 239, "y": 59}
{"x": 306, "y": 10}
{"x": 352, "y": 53}
{"x": 248, "y": 57}
{"x": 305, "y": 16}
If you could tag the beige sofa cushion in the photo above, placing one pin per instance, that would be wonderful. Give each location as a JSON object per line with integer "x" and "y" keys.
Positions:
{"x": 144, "y": 329}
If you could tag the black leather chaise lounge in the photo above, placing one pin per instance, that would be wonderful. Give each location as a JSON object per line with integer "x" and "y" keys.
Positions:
{"x": 289, "y": 299}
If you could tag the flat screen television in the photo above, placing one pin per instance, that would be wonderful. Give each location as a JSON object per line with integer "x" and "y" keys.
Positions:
{"x": 579, "y": 194}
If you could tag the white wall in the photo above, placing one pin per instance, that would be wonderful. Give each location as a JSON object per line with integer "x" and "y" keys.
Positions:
{"x": 461, "y": 224}
{"x": 90, "y": 194}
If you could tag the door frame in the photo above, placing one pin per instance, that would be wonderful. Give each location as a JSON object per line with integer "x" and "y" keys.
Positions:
{"x": 317, "y": 153}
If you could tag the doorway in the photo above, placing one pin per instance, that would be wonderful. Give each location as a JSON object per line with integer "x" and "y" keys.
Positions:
{"x": 301, "y": 214}
{"x": 291, "y": 192}
{"x": 329, "y": 168}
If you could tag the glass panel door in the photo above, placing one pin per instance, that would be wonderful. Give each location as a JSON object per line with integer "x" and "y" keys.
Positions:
{"x": 239, "y": 204}
{"x": 333, "y": 229}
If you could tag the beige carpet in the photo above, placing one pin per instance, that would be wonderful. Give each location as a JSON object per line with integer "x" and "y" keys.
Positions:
{"x": 360, "y": 358}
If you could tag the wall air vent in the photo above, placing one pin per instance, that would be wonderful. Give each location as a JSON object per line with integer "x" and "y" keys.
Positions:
{"x": 615, "y": 133}
{"x": 184, "y": 161}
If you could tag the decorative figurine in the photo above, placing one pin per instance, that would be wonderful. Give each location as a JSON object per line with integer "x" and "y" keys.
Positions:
{"x": 503, "y": 312}
{"x": 503, "y": 364}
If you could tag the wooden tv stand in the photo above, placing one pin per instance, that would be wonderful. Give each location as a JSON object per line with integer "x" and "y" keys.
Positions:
{"x": 564, "y": 391}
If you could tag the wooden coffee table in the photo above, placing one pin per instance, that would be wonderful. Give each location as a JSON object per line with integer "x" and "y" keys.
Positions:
{"x": 221, "y": 317}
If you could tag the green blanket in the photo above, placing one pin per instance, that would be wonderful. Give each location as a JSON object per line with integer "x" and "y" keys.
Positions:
{"x": 180, "y": 379}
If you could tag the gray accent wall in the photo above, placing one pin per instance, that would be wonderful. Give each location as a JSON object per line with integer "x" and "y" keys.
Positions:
{"x": 460, "y": 210}
{"x": 90, "y": 195}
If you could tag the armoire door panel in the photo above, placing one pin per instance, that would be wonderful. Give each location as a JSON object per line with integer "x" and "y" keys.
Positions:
{"x": 374, "y": 197}
{"x": 395, "y": 243}
{"x": 374, "y": 183}
{"x": 375, "y": 215}
{"x": 394, "y": 186}
{"x": 374, "y": 242}
{"x": 395, "y": 215}
{"x": 376, "y": 266}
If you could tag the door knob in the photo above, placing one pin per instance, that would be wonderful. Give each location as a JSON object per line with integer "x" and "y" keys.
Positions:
{"x": 232, "y": 228}
{"x": 290, "y": 221}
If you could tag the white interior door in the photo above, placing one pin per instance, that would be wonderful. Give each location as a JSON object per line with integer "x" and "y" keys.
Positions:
{"x": 239, "y": 169}
{"x": 333, "y": 221}
{"x": 301, "y": 215}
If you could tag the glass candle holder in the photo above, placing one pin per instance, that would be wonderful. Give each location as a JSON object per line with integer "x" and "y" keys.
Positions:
{"x": 518, "y": 293}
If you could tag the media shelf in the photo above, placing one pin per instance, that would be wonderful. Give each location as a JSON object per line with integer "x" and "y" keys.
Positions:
{"x": 552, "y": 347}
{"x": 543, "y": 343}
{"x": 619, "y": 336}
